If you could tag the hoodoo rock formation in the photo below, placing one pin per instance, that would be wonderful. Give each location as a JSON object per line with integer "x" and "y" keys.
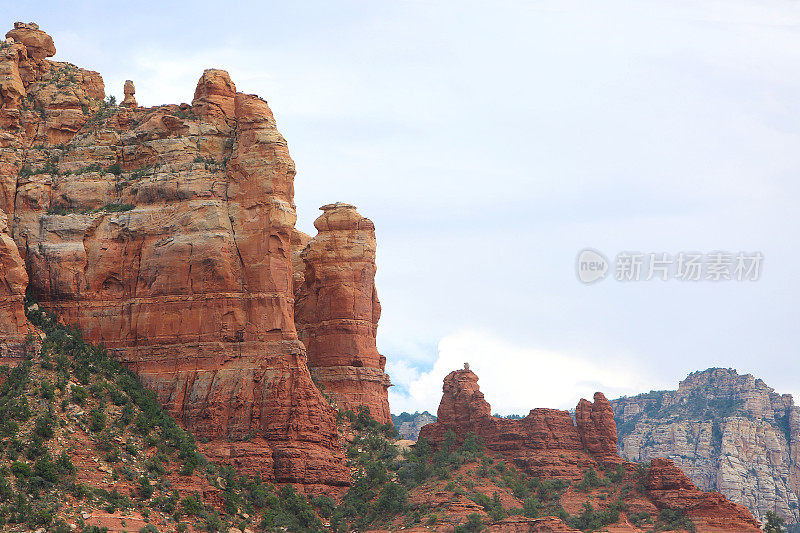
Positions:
{"x": 728, "y": 432}
{"x": 337, "y": 310}
{"x": 129, "y": 91}
{"x": 166, "y": 233}
{"x": 596, "y": 426}
{"x": 548, "y": 444}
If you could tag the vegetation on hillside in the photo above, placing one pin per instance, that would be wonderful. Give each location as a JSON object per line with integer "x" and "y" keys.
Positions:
{"x": 70, "y": 400}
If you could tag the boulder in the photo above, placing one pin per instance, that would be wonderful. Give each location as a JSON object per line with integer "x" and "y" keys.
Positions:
{"x": 38, "y": 43}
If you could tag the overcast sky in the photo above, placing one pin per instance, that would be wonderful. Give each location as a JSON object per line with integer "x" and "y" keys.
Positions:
{"x": 490, "y": 142}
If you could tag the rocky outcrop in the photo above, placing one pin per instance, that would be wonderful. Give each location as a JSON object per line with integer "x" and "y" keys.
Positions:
{"x": 548, "y": 444}
{"x": 669, "y": 488}
{"x": 521, "y": 524}
{"x": 597, "y": 428}
{"x": 38, "y": 44}
{"x": 167, "y": 233}
{"x": 337, "y": 311}
{"x": 409, "y": 425}
{"x": 129, "y": 90}
{"x": 728, "y": 432}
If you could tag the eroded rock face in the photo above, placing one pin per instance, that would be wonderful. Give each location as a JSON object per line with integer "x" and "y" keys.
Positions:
{"x": 521, "y": 524}
{"x": 13, "y": 281}
{"x": 670, "y": 488}
{"x": 38, "y": 44}
{"x": 129, "y": 91}
{"x": 727, "y": 432}
{"x": 597, "y": 428}
{"x": 164, "y": 233}
{"x": 548, "y": 444}
{"x": 337, "y": 310}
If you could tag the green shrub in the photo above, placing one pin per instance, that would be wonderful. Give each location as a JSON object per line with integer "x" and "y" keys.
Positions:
{"x": 97, "y": 419}
{"x": 393, "y": 500}
{"x": 590, "y": 481}
{"x": 213, "y": 523}
{"x": 79, "y": 395}
{"x": 45, "y": 468}
{"x": 118, "y": 397}
{"x": 615, "y": 474}
{"x": 20, "y": 470}
{"x": 192, "y": 506}
{"x": 325, "y": 505}
{"x": 47, "y": 391}
{"x": 673, "y": 519}
{"x": 291, "y": 511}
{"x": 6, "y": 492}
{"x": 8, "y": 428}
{"x": 491, "y": 506}
{"x": 473, "y": 524}
{"x": 51, "y": 167}
{"x": 640, "y": 519}
{"x": 591, "y": 520}
{"x": 117, "y": 207}
{"x": 44, "y": 426}
{"x": 64, "y": 465}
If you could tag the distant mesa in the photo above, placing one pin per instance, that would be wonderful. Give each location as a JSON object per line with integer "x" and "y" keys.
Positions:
{"x": 728, "y": 432}
{"x": 408, "y": 425}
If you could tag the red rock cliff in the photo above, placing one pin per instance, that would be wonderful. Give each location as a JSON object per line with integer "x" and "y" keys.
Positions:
{"x": 597, "y": 428}
{"x": 337, "y": 310}
{"x": 13, "y": 281}
{"x": 548, "y": 444}
{"x": 164, "y": 233}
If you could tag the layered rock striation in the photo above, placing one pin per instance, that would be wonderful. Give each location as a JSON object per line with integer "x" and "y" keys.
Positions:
{"x": 728, "y": 432}
{"x": 337, "y": 310}
{"x": 549, "y": 444}
{"x": 13, "y": 282}
{"x": 546, "y": 443}
{"x": 167, "y": 234}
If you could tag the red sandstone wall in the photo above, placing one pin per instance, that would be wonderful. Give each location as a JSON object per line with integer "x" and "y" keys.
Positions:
{"x": 192, "y": 287}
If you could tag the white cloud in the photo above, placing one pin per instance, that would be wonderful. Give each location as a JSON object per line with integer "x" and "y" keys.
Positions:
{"x": 513, "y": 378}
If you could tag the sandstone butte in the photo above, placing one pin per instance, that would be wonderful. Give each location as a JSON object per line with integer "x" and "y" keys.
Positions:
{"x": 547, "y": 443}
{"x": 167, "y": 234}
